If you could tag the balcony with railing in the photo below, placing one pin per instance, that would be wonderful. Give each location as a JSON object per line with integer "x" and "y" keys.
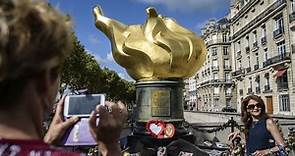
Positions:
{"x": 278, "y": 33}
{"x": 282, "y": 86}
{"x": 256, "y": 66}
{"x": 238, "y": 72}
{"x": 277, "y": 59}
{"x": 263, "y": 41}
{"x": 267, "y": 89}
{"x": 257, "y": 90}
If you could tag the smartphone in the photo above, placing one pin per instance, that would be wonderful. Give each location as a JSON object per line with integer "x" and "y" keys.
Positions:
{"x": 81, "y": 106}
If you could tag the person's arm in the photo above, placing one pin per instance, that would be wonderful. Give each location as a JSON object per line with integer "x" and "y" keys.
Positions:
{"x": 275, "y": 132}
{"x": 58, "y": 126}
{"x": 107, "y": 132}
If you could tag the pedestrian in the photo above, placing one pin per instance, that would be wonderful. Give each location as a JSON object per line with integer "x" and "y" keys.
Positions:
{"x": 35, "y": 39}
{"x": 261, "y": 133}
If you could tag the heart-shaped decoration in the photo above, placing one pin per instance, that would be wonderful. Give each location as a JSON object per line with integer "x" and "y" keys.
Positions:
{"x": 155, "y": 128}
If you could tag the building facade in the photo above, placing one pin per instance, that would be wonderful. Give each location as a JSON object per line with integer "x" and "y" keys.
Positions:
{"x": 213, "y": 81}
{"x": 262, "y": 47}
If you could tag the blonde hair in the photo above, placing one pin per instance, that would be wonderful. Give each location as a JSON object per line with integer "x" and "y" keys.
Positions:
{"x": 31, "y": 33}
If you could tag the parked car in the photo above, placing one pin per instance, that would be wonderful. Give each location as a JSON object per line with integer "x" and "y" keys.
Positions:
{"x": 228, "y": 109}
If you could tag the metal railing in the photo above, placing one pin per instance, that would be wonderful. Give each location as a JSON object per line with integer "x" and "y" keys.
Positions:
{"x": 282, "y": 86}
{"x": 277, "y": 59}
{"x": 238, "y": 72}
{"x": 278, "y": 33}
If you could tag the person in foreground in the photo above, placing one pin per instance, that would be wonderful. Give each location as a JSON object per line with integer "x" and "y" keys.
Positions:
{"x": 34, "y": 41}
{"x": 261, "y": 132}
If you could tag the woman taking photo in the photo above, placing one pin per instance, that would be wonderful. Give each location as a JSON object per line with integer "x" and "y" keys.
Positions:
{"x": 261, "y": 133}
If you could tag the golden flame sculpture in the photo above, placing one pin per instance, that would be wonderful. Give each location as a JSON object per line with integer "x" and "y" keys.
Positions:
{"x": 160, "y": 49}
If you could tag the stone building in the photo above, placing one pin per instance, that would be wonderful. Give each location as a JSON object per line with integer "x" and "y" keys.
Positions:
{"x": 262, "y": 47}
{"x": 191, "y": 94}
{"x": 213, "y": 80}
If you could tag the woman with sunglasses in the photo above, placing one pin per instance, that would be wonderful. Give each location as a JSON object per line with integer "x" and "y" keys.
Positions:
{"x": 261, "y": 133}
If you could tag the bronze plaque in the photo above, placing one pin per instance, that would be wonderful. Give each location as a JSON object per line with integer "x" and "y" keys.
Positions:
{"x": 160, "y": 102}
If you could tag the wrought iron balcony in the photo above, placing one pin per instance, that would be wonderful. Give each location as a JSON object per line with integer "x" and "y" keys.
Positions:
{"x": 263, "y": 40}
{"x": 276, "y": 59}
{"x": 278, "y": 33}
{"x": 282, "y": 86}
{"x": 248, "y": 69}
{"x": 238, "y": 72}
{"x": 256, "y": 66}
{"x": 257, "y": 90}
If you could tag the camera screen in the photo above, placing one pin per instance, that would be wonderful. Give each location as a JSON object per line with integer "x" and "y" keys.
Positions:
{"x": 83, "y": 105}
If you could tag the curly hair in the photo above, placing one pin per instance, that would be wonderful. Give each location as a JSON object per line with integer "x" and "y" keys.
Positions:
{"x": 246, "y": 117}
{"x": 31, "y": 34}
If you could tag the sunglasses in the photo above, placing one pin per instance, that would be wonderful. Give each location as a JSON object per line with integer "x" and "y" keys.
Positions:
{"x": 252, "y": 106}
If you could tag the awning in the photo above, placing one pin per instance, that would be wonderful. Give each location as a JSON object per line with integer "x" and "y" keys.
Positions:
{"x": 280, "y": 73}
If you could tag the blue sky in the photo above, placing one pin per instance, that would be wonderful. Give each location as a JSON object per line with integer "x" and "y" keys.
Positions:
{"x": 192, "y": 14}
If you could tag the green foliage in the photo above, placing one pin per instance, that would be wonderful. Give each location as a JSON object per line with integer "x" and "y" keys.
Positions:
{"x": 81, "y": 71}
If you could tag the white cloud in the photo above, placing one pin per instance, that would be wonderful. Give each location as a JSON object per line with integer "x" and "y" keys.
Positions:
{"x": 93, "y": 39}
{"x": 190, "y": 5}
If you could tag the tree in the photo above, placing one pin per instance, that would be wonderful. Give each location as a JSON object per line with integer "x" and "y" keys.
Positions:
{"x": 81, "y": 71}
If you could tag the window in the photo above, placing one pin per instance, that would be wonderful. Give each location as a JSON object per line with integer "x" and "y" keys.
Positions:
{"x": 216, "y": 90}
{"x": 224, "y": 37}
{"x": 281, "y": 49}
{"x": 226, "y": 63}
{"x": 263, "y": 31}
{"x": 225, "y": 50}
{"x": 247, "y": 41}
{"x": 214, "y": 51}
{"x": 279, "y": 23}
{"x": 228, "y": 103}
{"x": 250, "y": 82}
{"x": 215, "y": 76}
{"x": 257, "y": 59}
{"x": 292, "y": 6}
{"x": 215, "y": 63}
{"x": 254, "y": 36}
{"x": 284, "y": 103}
{"x": 227, "y": 76}
{"x": 249, "y": 61}
{"x": 265, "y": 55}
{"x": 239, "y": 46}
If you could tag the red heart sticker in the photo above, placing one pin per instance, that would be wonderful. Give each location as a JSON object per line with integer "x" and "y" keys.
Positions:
{"x": 156, "y": 128}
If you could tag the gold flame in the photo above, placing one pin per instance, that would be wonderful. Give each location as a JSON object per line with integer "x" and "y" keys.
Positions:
{"x": 158, "y": 50}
